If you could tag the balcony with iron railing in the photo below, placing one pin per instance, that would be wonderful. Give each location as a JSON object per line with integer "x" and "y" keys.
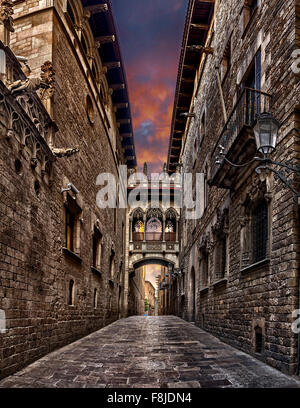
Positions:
{"x": 237, "y": 137}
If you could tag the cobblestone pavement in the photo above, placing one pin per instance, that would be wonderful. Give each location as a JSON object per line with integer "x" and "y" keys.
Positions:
{"x": 159, "y": 352}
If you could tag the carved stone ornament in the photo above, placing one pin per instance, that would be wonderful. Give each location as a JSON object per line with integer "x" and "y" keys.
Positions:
{"x": 171, "y": 214}
{"x": 257, "y": 190}
{"x": 221, "y": 225}
{"x": 204, "y": 243}
{"x": 6, "y": 12}
{"x": 65, "y": 152}
{"x": 48, "y": 78}
{"x": 29, "y": 85}
{"x": 154, "y": 213}
{"x": 138, "y": 214}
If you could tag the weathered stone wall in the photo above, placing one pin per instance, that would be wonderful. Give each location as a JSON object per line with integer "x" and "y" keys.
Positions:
{"x": 265, "y": 295}
{"x": 136, "y": 297}
{"x": 35, "y": 272}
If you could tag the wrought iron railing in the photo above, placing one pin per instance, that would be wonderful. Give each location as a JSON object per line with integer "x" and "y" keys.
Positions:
{"x": 250, "y": 103}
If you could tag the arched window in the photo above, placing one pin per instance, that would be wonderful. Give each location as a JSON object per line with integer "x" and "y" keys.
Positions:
{"x": 154, "y": 229}
{"x": 71, "y": 293}
{"x": 154, "y": 225}
{"x": 170, "y": 226}
{"x": 260, "y": 231}
{"x": 138, "y": 227}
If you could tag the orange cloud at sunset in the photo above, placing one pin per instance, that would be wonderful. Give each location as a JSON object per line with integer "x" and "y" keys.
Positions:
{"x": 151, "y": 35}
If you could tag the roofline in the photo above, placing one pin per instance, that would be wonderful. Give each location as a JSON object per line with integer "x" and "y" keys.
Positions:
{"x": 118, "y": 49}
{"x": 180, "y": 69}
{"x": 187, "y": 30}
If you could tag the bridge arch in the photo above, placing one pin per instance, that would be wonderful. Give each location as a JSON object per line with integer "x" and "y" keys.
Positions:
{"x": 153, "y": 261}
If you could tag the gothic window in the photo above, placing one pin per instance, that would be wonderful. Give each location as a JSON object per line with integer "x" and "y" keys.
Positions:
{"x": 154, "y": 229}
{"x": 260, "y": 231}
{"x": 138, "y": 227}
{"x": 170, "y": 225}
{"x": 154, "y": 225}
{"x": 71, "y": 293}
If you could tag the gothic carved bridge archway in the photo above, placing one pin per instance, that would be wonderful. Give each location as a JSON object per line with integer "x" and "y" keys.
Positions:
{"x": 153, "y": 237}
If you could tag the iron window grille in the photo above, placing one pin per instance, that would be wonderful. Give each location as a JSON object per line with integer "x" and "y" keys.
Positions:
{"x": 260, "y": 231}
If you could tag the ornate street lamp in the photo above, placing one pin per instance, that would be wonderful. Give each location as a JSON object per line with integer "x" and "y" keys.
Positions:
{"x": 266, "y": 131}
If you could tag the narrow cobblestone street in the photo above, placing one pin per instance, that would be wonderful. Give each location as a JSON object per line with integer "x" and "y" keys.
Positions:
{"x": 158, "y": 352}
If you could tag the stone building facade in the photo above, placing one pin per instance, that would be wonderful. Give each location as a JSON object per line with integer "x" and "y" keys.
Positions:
{"x": 136, "y": 292}
{"x": 239, "y": 264}
{"x": 150, "y": 296}
{"x": 64, "y": 119}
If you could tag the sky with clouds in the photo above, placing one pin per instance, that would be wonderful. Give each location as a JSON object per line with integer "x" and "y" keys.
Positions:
{"x": 150, "y": 33}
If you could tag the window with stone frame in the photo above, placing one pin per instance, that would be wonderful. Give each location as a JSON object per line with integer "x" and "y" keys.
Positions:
{"x": 221, "y": 257}
{"x": 260, "y": 231}
{"x": 255, "y": 228}
{"x": 220, "y": 232}
{"x": 97, "y": 248}
{"x": 72, "y": 225}
{"x": 204, "y": 259}
{"x": 248, "y": 10}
